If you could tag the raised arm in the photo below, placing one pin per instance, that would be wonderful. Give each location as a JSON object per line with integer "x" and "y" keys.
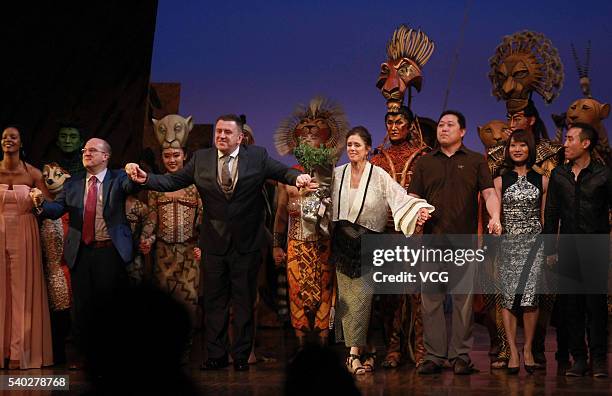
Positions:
{"x": 164, "y": 183}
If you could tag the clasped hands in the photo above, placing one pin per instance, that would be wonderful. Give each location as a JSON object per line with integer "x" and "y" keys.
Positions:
{"x": 135, "y": 173}
{"x": 37, "y": 197}
{"x": 494, "y": 226}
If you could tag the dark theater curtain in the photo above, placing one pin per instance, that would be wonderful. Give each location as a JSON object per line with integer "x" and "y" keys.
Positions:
{"x": 86, "y": 62}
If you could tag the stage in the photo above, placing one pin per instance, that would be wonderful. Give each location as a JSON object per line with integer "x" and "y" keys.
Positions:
{"x": 275, "y": 347}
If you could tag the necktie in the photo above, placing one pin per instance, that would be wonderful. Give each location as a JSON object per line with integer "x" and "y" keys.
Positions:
{"x": 89, "y": 220}
{"x": 226, "y": 176}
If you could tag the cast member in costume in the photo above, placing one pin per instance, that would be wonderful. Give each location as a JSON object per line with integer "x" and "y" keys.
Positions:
{"x": 52, "y": 235}
{"x": 398, "y": 159}
{"x": 70, "y": 142}
{"x": 314, "y": 134}
{"x": 523, "y": 63}
{"x": 488, "y": 307}
{"x": 362, "y": 194}
{"x": 25, "y": 327}
{"x": 407, "y": 52}
{"x": 173, "y": 219}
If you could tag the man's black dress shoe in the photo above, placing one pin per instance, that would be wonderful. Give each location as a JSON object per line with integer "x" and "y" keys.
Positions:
{"x": 214, "y": 364}
{"x": 241, "y": 364}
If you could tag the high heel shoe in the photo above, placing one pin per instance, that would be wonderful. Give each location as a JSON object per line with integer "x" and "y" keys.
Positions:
{"x": 514, "y": 370}
{"x": 530, "y": 368}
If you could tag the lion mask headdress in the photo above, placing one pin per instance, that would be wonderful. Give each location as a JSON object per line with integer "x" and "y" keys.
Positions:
{"x": 525, "y": 62}
{"x": 407, "y": 52}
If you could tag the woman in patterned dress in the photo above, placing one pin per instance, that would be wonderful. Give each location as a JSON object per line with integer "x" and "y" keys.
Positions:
{"x": 522, "y": 192}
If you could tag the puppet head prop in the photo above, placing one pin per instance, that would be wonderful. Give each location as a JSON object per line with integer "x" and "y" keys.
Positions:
{"x": 321, "y": 122}
{"x": 589, "y": 111}
{"x": 247, "y": 131}
{"x": 525, "y": 62}
{"x": 494, "y": 133}
{"x": 407, "y": 52}
{"x": 315, "y": 134}
{"x": 54, "y": 177}
{"x": 172, "y": 130}
{"x": 583, "y": 70}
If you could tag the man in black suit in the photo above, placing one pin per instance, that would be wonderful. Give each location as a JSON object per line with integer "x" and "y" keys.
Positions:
{"x": 99, "y": 241}
{"x": 229, "y": 179}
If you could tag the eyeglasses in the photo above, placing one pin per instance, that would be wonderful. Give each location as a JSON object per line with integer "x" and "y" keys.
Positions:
{"x": 92, "y": 151}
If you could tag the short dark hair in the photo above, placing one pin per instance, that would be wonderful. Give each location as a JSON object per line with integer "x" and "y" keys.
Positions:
{"x": 362, "y": 132}
{"x": 459, "y": 115}
{"x": 231, "y": 117}
{"x": 404, "y": 111}
{"x": 520, "y": 135}
{"x": 586, "y": 132}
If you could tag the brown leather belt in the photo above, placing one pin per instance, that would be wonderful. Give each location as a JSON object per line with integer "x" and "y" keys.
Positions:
{"x": 101, "y": 244}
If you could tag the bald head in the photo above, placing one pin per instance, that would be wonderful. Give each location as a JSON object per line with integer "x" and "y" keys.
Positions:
{"x": 95, "y": 155}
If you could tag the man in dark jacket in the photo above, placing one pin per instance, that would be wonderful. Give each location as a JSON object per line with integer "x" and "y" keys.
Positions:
{"x": 229, "y": 178}
{"x": 579, "y": 199}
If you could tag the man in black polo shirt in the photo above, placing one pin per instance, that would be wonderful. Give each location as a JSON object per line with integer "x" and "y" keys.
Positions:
{"x": 580, "y": 197}
{"x": 450, "y": 178}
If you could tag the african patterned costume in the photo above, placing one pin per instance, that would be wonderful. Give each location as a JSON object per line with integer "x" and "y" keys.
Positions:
{"x": 309, "y": 274}
{"x": 172, "y": 224}
{"x": 401, "y": 314}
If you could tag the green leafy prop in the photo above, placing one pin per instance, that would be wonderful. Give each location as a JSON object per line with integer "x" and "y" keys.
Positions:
{"x": 311, "y": 157}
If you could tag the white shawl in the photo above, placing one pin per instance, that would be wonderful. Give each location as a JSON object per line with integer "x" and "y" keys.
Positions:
{"x": 377, "y": 191}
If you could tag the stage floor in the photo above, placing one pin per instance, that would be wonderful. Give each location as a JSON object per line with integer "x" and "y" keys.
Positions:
{"x": 275, "y": 347}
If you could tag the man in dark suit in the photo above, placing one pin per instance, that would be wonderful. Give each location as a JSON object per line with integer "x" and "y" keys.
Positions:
{"x": 99, "y": 240}
{"x": 229, "y": 179}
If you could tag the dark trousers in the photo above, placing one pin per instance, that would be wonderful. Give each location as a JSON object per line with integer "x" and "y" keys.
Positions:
{"x": 582, "y": 312}
{"x": 98, "y": 274}
{"x": 230, "y": 279}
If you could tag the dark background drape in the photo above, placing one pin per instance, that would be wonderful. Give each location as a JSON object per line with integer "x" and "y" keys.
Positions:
{"x": 86, "y": 62}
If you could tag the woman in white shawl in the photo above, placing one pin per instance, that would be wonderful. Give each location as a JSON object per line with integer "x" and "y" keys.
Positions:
{"x": 362, "y": 194}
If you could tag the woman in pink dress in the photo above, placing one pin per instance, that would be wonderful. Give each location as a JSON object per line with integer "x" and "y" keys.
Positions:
{"x": 25, "y": 330}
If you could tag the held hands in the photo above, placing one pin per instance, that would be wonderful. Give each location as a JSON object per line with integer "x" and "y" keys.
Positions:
{"x": 279, "y": 256}
{"x": 136, "y": 174}
{"x": 423, "y": 216}
{"x": 305, "y": 181}
{"x": 145, "y": 246}
{"x": 37, "y": 197}
{"x": 494, "y": 226}
{"x": 197, "y": 253}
